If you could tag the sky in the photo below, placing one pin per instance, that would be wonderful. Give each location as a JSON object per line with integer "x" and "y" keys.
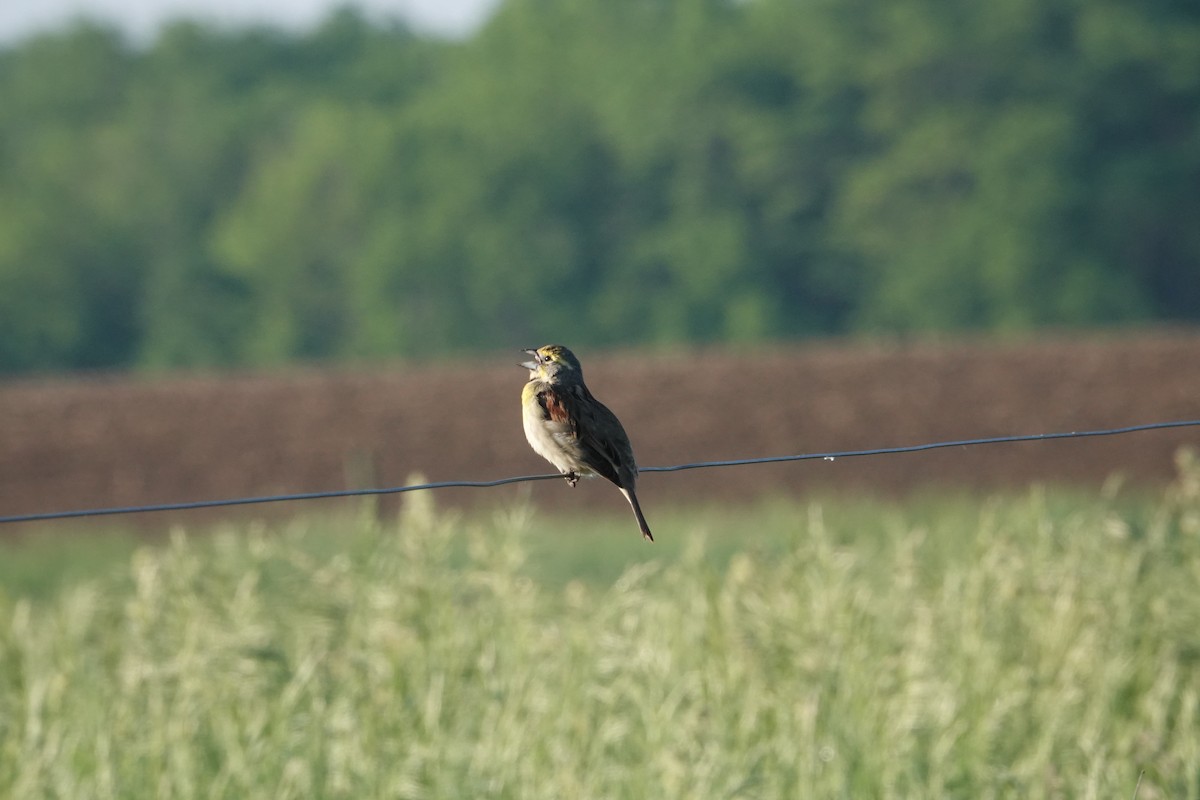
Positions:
{"x": 142, "y": 18}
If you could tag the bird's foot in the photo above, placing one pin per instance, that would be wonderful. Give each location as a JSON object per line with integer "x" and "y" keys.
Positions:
{"x": 572, "y": 479}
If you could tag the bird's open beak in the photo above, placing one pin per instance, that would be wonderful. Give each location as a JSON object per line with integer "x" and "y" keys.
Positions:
{"x": 530, "y": 365}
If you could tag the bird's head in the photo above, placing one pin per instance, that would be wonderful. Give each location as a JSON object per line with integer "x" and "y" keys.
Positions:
{"x": 553, "y": 363}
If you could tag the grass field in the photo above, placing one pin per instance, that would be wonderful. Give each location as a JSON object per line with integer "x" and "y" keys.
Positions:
{"x": 1040, "y": 645}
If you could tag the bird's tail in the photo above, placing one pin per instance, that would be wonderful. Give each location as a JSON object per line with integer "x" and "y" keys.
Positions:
{"x": 637, "y": 512}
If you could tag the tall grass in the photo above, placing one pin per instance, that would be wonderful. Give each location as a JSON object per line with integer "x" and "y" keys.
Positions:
{"x": 1028, "y": 647}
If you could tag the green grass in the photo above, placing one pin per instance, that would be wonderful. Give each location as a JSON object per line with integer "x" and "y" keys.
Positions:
{"x": 39, "y": 564}
{"x": 1042, "y": 645}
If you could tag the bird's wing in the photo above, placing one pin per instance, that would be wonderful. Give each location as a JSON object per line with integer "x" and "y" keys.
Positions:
{"x": 602, "y": 440}
{"x": 558, "y": 410}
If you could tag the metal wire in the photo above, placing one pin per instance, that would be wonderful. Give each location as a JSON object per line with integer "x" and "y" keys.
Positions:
{"x": 916, "y": 448}
{"x": 831, "y": 456}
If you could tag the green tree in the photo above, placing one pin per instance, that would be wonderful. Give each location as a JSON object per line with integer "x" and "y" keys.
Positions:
{"x": 601, "y": 171}
{"x": 69, "y": 272}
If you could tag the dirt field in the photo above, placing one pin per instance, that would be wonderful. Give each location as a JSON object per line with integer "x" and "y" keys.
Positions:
{"x": 118, "y": 441}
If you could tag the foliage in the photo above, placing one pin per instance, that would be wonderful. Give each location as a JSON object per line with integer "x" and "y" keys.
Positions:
{"x": 1037, "y": 646}
{"x": 603, "y": 171}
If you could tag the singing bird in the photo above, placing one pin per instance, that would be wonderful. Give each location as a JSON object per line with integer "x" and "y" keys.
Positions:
{"x": 573, "y": 430}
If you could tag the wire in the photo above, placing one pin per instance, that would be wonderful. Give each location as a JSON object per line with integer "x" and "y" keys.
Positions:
{"x": 916, "y": 448}
{"x": 275, "y": 498}
{"x": 831, "y": 456}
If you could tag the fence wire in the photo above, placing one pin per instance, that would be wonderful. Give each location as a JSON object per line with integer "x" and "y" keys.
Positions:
{"x": 737, "y": 462}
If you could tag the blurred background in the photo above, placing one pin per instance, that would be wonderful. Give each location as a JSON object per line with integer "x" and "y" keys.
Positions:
{"x": 413, "y": 188}
{"x": 262, "y": 186}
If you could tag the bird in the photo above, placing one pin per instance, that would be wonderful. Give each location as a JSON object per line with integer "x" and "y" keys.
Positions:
{"x": 573, "y": 430}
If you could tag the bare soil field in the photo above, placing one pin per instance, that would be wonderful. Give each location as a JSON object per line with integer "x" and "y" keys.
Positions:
{"x": 119, "y": 440}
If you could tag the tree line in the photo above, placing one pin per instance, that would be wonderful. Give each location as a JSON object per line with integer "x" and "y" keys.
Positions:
{"x": 598, "y": 171}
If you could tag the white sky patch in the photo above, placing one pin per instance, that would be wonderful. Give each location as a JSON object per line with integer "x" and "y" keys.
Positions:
{"x": 141, "y": 19}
